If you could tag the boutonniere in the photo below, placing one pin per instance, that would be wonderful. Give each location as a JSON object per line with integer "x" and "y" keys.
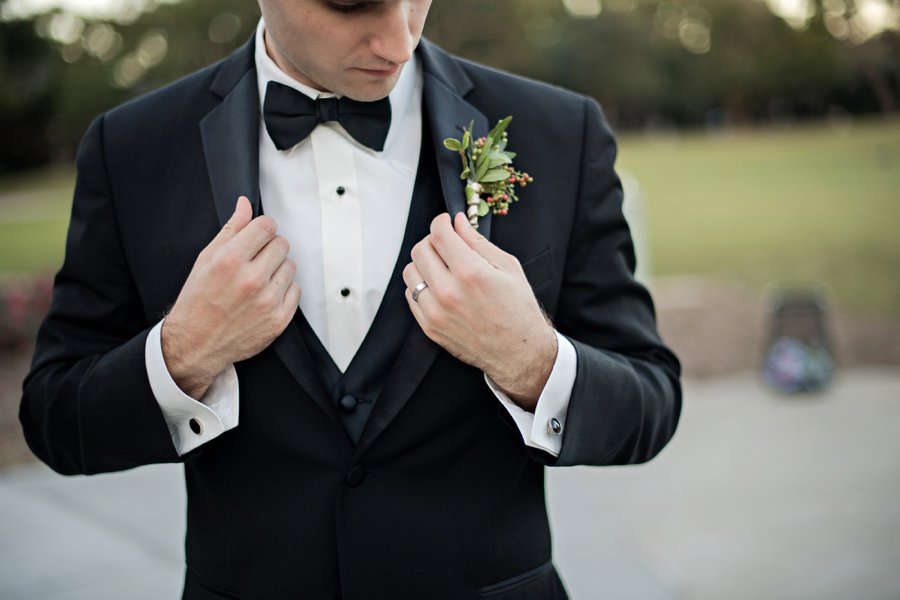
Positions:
{"x": 488, "y": 171}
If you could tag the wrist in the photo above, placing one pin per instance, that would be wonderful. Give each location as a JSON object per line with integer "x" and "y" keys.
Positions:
{"x": 184, "y": 360}
{"x": 525, "y": 385}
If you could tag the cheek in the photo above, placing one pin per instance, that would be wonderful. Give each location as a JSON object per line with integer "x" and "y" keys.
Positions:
{"x": 417, "y": 16}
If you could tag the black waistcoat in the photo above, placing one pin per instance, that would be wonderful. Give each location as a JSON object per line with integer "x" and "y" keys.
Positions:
{"x": 354, "y": 392}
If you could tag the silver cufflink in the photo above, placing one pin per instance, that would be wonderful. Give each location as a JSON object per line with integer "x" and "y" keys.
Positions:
{"x": 554, "y": 427}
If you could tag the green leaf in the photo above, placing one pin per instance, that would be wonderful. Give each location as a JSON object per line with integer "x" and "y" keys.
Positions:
{"x": 483, "y": 208}
{"x": 452, "y": 144}
{"x": 494, "y": 175}
{"x": 465, "y": 173}
{"x": 498, "y": 130}
{"x": 499, "y": 158}
{"x": 467, "y": 138}
{"x": 482, "y": 167}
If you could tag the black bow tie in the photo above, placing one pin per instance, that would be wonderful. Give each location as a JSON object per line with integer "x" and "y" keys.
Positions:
{"x": 291, "y": 116}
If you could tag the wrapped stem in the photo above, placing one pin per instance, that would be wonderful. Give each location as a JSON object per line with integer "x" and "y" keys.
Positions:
{"x": 473, "y": 200}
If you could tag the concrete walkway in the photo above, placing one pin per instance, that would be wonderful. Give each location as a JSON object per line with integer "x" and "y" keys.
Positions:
{"x": 758, "y": 497}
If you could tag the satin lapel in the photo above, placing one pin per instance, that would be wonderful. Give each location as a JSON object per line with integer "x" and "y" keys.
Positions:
{"x": 413, "y": 362}
{"x": 448, "y": 112}
{"x": 293, "y": 352}
{"x": 230, "y": 134}
{"x": 231, "y": 146}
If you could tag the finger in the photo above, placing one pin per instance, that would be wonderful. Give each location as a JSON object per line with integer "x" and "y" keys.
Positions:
{"x": 271, "y": 256}
{"x": 243, "y": 214}
{"x": 254, "y": 237}
{"x": 430, "y": 267}
{"x": 411, "y": 276}
{"x": 454, "y": 252}
{"x": 414, "y": 307}
{"x": 292, "y": 297}
{"x": 477, "y": 242}
{"x": 290, "y": 304}
{"x": 284, "y": 276}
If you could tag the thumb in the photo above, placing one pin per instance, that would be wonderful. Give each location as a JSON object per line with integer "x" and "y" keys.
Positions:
{"x": 477, "y": 242}
{"x": 243, "y": 214}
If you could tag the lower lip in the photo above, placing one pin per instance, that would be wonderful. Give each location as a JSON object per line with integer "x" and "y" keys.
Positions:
{"x": 384, "y": 73}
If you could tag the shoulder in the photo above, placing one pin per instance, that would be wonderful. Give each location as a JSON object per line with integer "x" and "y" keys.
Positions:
{"x": 175, "y": 106}
{"x": 170, "y": 98}
{"x": 499, "y": 93}
{"x": 491, "y": 84}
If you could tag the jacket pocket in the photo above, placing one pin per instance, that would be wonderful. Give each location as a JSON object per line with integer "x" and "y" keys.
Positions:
{"x": 540, "y": 583}
{"x": 539, "y": 269}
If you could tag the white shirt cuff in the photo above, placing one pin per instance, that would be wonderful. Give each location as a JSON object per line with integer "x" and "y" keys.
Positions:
{"x": 191, "y": 423}
{"x": 545, "y": 427}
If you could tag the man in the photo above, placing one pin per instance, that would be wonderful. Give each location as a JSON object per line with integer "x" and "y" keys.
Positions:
{"x": 388, "y": 439}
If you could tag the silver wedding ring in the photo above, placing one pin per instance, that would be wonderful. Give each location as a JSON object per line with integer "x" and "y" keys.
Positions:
{"x": 418, "y": 290}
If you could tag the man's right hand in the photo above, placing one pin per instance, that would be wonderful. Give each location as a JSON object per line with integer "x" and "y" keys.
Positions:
{"x": 239, "y": 296}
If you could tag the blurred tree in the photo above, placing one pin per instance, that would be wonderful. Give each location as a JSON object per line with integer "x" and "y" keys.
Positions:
{"x": 31, "y": 76}
{"x": 650, "y": 62}
{"x": 60, "y": 71}
{"x": 874, "y": 56}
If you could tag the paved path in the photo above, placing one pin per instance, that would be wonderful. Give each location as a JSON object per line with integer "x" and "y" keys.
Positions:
{"x": 757, "y": 497}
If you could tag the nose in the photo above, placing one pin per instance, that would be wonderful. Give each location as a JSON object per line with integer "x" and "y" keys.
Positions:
{"x": 393, "y": 40}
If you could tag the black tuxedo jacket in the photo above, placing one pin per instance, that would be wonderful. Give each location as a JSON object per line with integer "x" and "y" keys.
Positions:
{"x": 440, "y": 498}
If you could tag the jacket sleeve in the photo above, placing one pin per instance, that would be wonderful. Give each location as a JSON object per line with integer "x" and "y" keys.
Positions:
{"x": 87, "y": 406}
{"x": 626, "y": 398}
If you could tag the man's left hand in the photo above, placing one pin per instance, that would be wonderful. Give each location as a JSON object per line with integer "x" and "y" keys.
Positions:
{"x": 480, "y": 308}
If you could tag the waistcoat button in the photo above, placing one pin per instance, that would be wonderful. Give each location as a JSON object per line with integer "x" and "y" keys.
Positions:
{"x": 348, "y": 403}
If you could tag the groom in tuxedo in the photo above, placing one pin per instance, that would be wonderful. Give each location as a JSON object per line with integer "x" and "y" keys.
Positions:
{"x": 270, "y": 277}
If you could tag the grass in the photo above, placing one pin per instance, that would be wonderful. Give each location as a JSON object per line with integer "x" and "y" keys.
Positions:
{"x": 34, "y": 215}
{"x": 789, "y": 204}
{"x": 802, "y": 203}
{"x": 32, "y": 246}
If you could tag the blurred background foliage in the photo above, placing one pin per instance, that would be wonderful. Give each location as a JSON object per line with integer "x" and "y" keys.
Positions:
{"x": 763, "y": 134}
{"x": 651, "y": 63}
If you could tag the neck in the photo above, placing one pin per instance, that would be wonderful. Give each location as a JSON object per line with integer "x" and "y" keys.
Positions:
{"x": 286, "y": 66}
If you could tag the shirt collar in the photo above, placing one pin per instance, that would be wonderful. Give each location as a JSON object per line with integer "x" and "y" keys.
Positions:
{"x": 267, "y": 70}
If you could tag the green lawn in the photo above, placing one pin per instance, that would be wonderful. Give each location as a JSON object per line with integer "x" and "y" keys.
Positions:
{"x": 797, "y": 204}
{"x": 793, "y": 204}
{"x": 34, "y": 214}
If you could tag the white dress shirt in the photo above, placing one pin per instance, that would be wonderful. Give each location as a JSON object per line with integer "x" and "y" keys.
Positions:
{"x": 343, "y": 208}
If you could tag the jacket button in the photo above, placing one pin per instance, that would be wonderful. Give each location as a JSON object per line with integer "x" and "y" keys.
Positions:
{"x": 348, "y": 403}
{"x": 356, "y": 476}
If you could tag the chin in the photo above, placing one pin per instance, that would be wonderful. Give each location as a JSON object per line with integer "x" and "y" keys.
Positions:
{"x": 370, "y": 92}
